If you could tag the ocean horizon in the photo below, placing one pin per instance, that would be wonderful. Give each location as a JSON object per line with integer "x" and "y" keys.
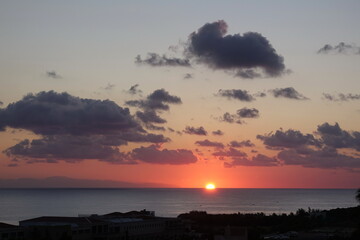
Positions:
{"x": 18, "y": 204}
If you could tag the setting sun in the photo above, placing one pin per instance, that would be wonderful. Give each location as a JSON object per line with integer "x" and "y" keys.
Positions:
{"x": 210, "y": 186}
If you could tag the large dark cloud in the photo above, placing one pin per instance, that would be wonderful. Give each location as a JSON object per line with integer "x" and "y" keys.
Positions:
{"x": 334, "y": 136}
{"x": 323, "y": 158}
{"x": 259, "y": 160}
{"x": 288, "y": 92}
{"x": 237, "y": 94}
{"x": 153, "y": 154}
{"x": 307, "y": 150}
{"x": 72, "y": 129}
{"x": 207, "y": 143}
{"x": 341, "y": 48}
{"x": 49, "y": 113}
{"x": 245, "y": 143}
{"x": 248, "y": 113}
{"x": 210, "y": 45}
{"x": 341, "y": 97}
{"x": 288, "y": 139}
{"x": 66, "y": 148}
{"x": 152, "y": 105}
{"x": 155, "y": 60}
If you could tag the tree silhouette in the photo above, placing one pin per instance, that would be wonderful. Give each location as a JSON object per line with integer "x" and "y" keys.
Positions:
{"x": 358, "y": 195}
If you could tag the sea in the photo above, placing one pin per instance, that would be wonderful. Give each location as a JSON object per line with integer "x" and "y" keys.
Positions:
{"x": 22, "y": 204}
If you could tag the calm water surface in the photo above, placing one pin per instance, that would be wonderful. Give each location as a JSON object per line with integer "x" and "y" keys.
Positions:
{"x": 20, "y": 204}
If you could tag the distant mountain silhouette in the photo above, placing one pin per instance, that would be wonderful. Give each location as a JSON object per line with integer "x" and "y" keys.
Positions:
{"x": 65, "y": 182}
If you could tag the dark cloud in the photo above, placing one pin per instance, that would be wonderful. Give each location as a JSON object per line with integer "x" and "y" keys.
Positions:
{"x": 251, "y": 51}
{"x": 72, "y": 129}
{"x": 238, "y": 94}
{"x": 334, "y": 136}
{"x": 322, "y": 152}
{"x": 158, "y": 100}
{"x": 153, "y": 127}
{"x": 50, "y": 113}
{"x": 152, "y": 105}
{"x": 323, "y": 158}
{"x": 153, "y": 154}
{"x": 248, "y": 113}
{"x": 230, "y": 118}
{"x": 53, "y": 74}
{"x": 188, "y": 76}
{"x": 149, "y": 117}
{"x": 341, "y": 48}
{"x": 246, "y": 143}
{"x": 231, "y": 152}
{"x": 240, "y": 114}
{"x": 288, "y": 139}
{"x": 259, "y": 160}
{"x": 69, "y": 149}
{"x": 195, "y": 131}
{"x": 341, "y": 97}
{"x": 155, "y": 60}
{"x": 288, "y": 92}
{"x": 134, "y": 89}
{"x": 207, "y": 143}
{"x": 218, "y": 133}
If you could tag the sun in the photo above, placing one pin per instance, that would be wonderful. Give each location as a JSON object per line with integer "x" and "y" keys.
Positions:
{"x": 210, "y": 186}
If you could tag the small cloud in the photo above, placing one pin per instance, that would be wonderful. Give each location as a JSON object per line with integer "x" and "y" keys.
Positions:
{"x": 13, "y": 165}
{"x": 1, "y": 103}
{"x": 230, "y": 118}
{"x": 288, "y": 92}
{"x": 207, "y": 143}
{"x": 237, "y": 94}
{"x": 246, "y": 143}
{"x": 109, "y": 87}
{"x": 341, "y": 48}
{"x": 154, "y": 103}
{"x": 218, "y": 133}
{"x": 248, "y": 113}
{"x": 341, "y": 97}
{"x": 188, "y": 76}
{"x": 134, "y": 90}
{"x": 53, "y": 74}
{"x": 155, "y": 60}
{"x": 195, "y": 131}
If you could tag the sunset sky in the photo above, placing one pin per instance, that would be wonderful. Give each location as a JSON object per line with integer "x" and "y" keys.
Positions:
{"x": 243, "y": 94}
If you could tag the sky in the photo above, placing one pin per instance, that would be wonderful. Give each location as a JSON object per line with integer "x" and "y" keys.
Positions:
{"x": 243, "y": 94}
